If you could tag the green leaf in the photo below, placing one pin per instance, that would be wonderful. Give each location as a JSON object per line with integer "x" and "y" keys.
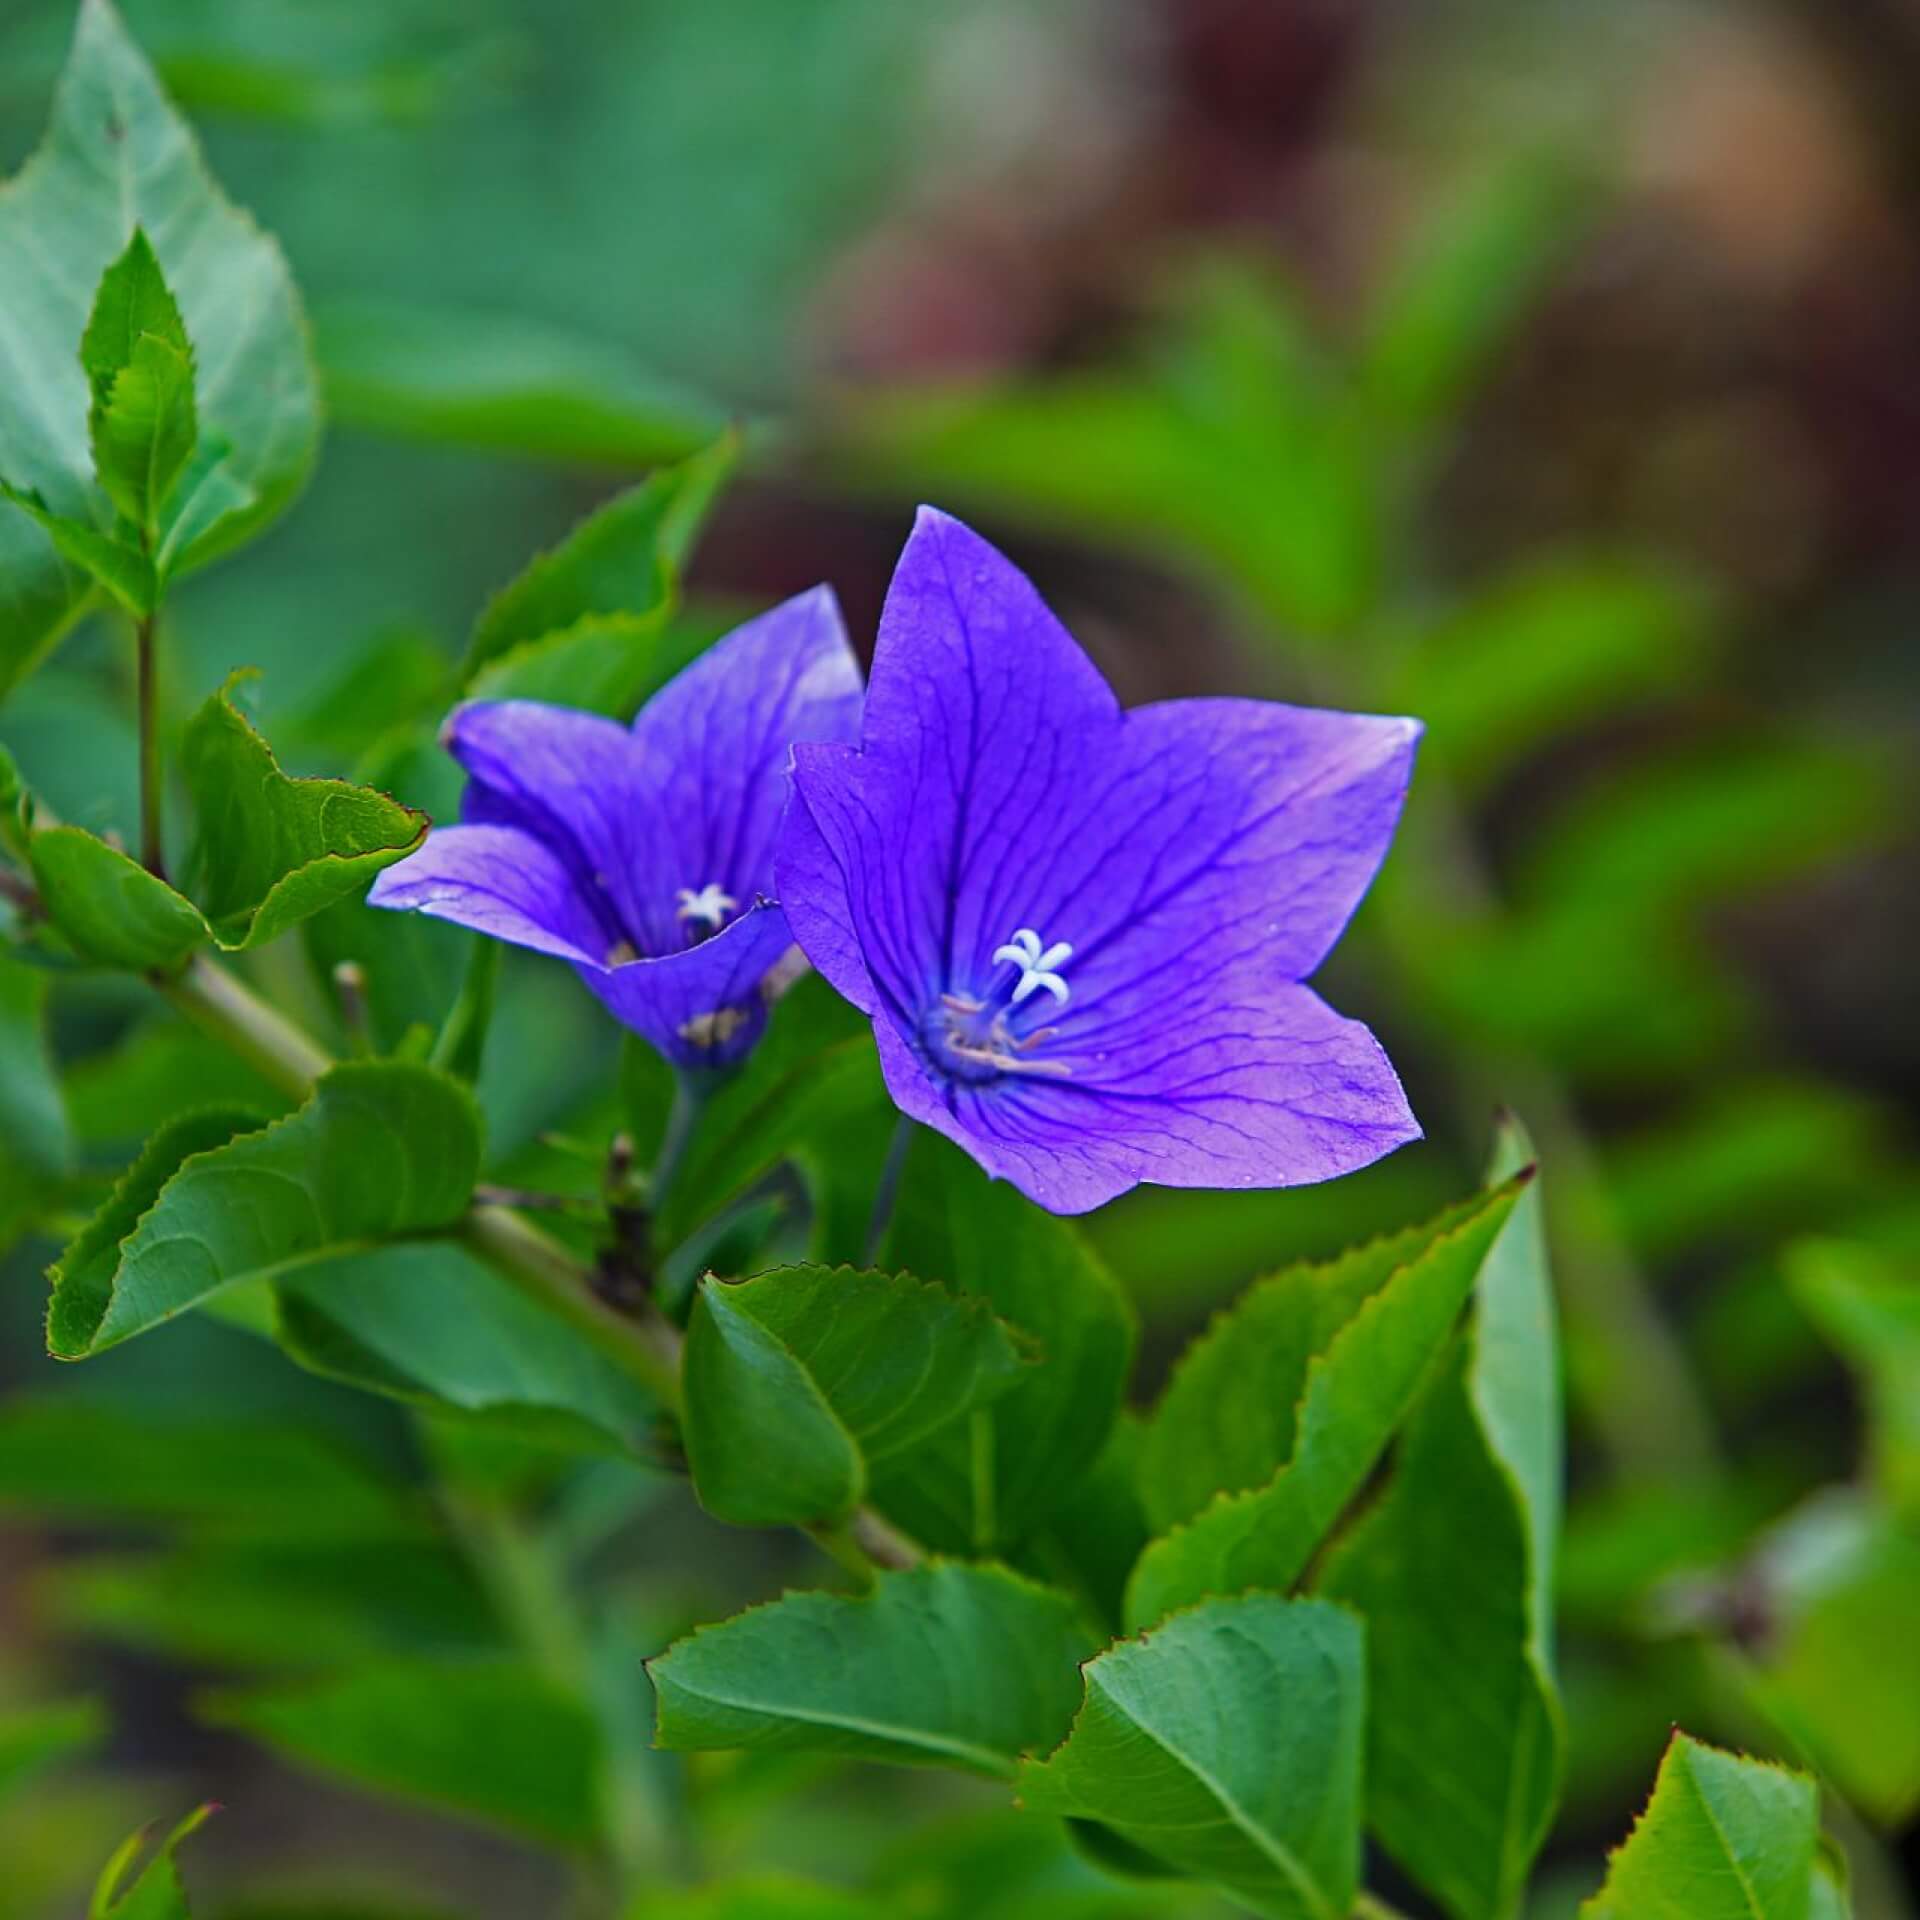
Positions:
{"x": 813, "y": 1075}
{"x": 1466, "y": 1536}
{"x": 33, "y": 1112}
{"x": 621, "y": 562}
{"x": 1870, "y": 1311}
{"x": 1723, "y": 1838}
{"x": 1382, "y": 1335}
{"x": 987, "y": 1484}
{"x": 382, "y": 1148}
{"x": 82, "y": 1277}
{"x": 431, "y": 1326}
{"x": 157, "y": 1894}
{"x": 1227, "y": 1420}
{"x": 1839, "y": 1670}
{"x": 487, "y": 1739}
{"x": 273, "y": 1603}
{"x": 108, "y": 907}
{"x": 799, "y": 1379}
{"x": 32, "y": 1739}
{"x": 145, "y": 432}
{"x": 139, "y": 364}
{"x": 124, "y": 571}
{"x": 503, "y": 384}
{"x": 71, "y": 1457}
{"x": 272, "y": 849}
{"x": 1454, "y": 1572}
{"x": 1228, "y": 1744}
{"x": 131, "y": 303}
{"x": 945, "y": 1665}
{"x": 1095, "y": 1529}
{"x": 117, "y": 157}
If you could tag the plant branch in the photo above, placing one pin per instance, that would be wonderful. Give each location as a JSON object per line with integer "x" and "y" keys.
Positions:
{"x": 638, "y": 1338}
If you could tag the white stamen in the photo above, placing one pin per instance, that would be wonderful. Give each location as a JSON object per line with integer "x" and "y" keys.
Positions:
{"x": 711, "y": 904}
{"x": 1038, "y": 964}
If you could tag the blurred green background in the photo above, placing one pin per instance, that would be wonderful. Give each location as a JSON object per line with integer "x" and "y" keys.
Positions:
{"x": 1544, "y": 370}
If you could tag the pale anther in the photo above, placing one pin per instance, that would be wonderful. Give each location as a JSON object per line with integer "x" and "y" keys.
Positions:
{"x": 712, "y": 904}
{"x": 1038, "y": 964}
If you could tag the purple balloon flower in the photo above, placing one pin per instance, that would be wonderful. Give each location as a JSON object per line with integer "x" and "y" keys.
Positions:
{"x": 1081, "y": 933}
{"x": 644, "y": 855}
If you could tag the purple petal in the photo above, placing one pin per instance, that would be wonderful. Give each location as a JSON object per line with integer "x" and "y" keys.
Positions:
{"x": 702, "y": 1006}
{"x": 565, "y": 778}
{"x": 1278, "y": 1092}
{"x": 498, "y": 881}
{"x": 981, "y": 710}
{"x": 711, "y": 753}
{"x": 1195, "y": 859}
{"x": 808, "y": 879}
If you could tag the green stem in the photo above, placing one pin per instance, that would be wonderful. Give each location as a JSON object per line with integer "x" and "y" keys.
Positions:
{"x": 147, "y": 703}
{"x": 887, "y": 1192}
{"x": 217, "y": 1003}
{"x": 980, "y": 1461}
{"x": 690, "y": 1094}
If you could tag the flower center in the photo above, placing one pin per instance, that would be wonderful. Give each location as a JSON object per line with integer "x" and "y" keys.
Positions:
{"x": 705, "y": 911}
{"x": 973, "y": 1038}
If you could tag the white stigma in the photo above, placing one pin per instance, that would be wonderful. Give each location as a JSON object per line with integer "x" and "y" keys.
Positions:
{"x": 711, "y": 904}
{"x": 1038, "y": 964}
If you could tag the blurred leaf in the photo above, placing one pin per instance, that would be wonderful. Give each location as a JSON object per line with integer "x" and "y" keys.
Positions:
{"x": 108, "y": 906}
{"x": 35, "y": 1738}
{"x": 157, "y": 1894}
{"x": 1723, "y": 1838}
{"x": 1228, "y": 1744}
{"x": 1356, "y": 1390}
{"x": 813, "y": 1073}
{"x": 381, "y": 1148}
{"x": 762, "y": 1898}
{"x": 1563, "y": 641}
{"x": 1840, "y": 1668}
{"x": 1871, "y": 1313}
{"x": 35, "y": 1136}
{"x": 68, "y": 1457}
{"x": 1753, "y": 1156}
{"x": 985, "y": 1485}
{"x": 945, "y": 1665}
{"x": 1235, "y": 444}
{"x": 503, "y": 384}
{"x": 432, "y": 1326}
{"x": 1457, "y": 291}
{"x": 116, "y": 156}
{"x": 1453, "y": 1571}
{"x": 160, "y": 1070}
{"x": 618, "y": 565}
{"x": 1711, "y": 824}
{"x": 139, "y": 364}
{"x": 400, "y": 676}
{"x": 489, "y": 1740}
{"x": 273, "y": 850}
{"x": 798, "y": 1379}
{"x": 1603, "y": 987}
{"x": 274, "y": 1604}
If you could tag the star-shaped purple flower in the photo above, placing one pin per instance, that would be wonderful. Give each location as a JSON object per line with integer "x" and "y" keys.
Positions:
{"x": 644, "y": 855}
{"x": 1081, "y": 933}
